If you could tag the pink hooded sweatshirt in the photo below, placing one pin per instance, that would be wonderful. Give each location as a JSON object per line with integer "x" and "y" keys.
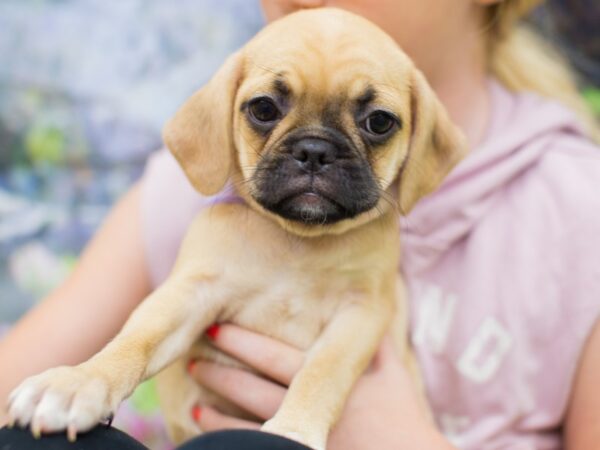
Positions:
{"x": 502, "y": 265}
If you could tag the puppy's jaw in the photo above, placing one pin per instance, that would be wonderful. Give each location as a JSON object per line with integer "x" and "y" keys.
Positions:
{"x": 315, "y": 199}
{"x": 303, "y": 229}
{"x": 340, "y": 227}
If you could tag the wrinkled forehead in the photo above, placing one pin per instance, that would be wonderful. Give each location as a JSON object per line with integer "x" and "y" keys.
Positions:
{"x": 338, "y": 63}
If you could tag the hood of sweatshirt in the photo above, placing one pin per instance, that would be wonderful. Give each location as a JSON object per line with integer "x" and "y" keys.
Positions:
{"x": 521, "y": 130}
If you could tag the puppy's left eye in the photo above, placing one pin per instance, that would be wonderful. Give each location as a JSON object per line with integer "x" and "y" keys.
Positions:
{"x": 264, "y": 110}
{"x": 379, "y": 123}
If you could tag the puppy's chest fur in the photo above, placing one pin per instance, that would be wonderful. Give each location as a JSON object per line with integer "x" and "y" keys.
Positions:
{"x": 277, "y": 284}
{"x": 284, "y": 285}
{"x": 296, "y": 316}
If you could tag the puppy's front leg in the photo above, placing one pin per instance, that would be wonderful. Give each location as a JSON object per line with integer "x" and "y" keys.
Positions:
{"x": 77, "y": 398}
{"x": 318, "y": 392}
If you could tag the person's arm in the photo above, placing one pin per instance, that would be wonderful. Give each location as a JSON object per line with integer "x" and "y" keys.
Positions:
{"x": 83, "y": 314}
{"x": 582, "y": 426}
{"x": 382, "y": 412}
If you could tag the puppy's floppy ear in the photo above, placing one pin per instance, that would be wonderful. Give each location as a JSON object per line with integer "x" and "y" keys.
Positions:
{"x": 200, "y": 135}
{"x": 436, "y": 145}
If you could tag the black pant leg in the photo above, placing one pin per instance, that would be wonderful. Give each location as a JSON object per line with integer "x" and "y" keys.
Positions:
{"x": 241, "y": 440}
{"x": 100, "y": 438}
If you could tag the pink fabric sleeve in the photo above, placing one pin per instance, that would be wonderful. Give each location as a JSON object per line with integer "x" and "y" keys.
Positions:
{"x": 168, "y": 205}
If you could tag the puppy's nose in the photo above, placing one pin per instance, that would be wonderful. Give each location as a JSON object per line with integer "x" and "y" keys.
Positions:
{"x": 314, "y": 153}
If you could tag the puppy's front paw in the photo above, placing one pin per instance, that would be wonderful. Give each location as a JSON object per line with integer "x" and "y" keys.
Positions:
{"x": 64, "y": 398}
{"x": 296, "y": 432}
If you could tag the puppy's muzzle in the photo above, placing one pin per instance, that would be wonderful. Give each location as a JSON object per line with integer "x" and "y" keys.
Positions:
{"x": 316, "y": 177}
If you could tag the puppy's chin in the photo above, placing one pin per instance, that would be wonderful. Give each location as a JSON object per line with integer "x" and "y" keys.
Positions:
{"x": 310, "y": 214}
{"x": 310, "y": 208}
{"x": 321, "y": 228}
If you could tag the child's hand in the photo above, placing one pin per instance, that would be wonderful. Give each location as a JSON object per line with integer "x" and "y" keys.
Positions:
{"x": 383, "y": 410}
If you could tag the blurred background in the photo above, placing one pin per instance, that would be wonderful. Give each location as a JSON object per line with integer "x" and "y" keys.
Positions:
{"x": 85, "y": 86}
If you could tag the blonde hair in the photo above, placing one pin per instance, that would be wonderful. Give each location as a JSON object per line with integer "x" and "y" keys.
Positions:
{"x": 521, "y": 60}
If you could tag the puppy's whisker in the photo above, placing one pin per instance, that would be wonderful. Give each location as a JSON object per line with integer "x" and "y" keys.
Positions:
{"x": 252, "y": 168}
{"x": 281, "y": 61}
{"x": 378, "y": 156}
{"x": 242, "y": 183}
{"x": 387, "y": 196}
{"x": 251, "y": 147}
{"x": 260, "y": 168}
{"x": 392, "y": 205}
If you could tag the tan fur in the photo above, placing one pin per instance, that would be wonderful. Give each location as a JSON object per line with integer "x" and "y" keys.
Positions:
{"x": 433, "y": 147}
{"x": 190, "y": 143}
{"x": 331, "y": 290}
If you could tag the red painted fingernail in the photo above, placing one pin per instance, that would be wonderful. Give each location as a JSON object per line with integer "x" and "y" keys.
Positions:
{"x": 191, "y": 365}
{"x": 213, "y": 331}
{"x": 196, "y": 413}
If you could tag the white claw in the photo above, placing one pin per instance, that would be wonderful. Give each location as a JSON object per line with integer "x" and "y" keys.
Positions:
{"x": 36, "y": 429}
{"x": 72, "y": 433}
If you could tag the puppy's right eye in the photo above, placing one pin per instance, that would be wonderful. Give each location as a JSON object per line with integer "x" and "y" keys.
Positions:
{"x": 264, "y": 110}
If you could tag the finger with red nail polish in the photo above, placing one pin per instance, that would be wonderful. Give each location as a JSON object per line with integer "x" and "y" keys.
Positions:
{"x": 213, "y": 331}
{"x": 209, "y": 419}
{"x": 196, "y": 413}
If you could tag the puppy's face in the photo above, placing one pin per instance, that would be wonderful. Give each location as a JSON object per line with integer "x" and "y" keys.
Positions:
{"x": 320, "y": 134}
{"x": 313, "y": 120}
